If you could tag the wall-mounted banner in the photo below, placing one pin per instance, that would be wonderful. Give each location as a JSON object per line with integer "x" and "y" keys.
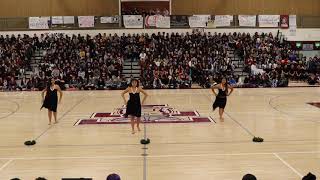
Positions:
{"x": 158, "y": 21}
{"x": 284, "y": 21}
{"x": 223, "y": 20}
{"x": 247, "y": 20}
{"x": 198, "y": 20}
{"x": 163, "y": 22}
{"x": 62, "y": 19}
{"x": 179, "y": 21}
{"x": 150, "y": 21}
{"x": 68, "y": 19}
{"x": 133, "y": 21}
{"x": 269, "y": 20}
{"x": 109, "y": 19}
{"x": 292, "y": 25}
{"x": 57, "y": 19}
{"x": 86, "y": 21}
{"x": 39, "y": 22}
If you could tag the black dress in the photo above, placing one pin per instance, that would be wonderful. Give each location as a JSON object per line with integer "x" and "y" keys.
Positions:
{"x": 133, "y": 105}
{"x": 221, "y": 99}
{"x": 51, "y": 100}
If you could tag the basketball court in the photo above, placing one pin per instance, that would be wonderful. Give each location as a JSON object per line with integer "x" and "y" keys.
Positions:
{"x": 188, "y": 142}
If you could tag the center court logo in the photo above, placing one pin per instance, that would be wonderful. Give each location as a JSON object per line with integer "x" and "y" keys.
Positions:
{"x": 316, "y": 104}
{"x": 151, "y": 113}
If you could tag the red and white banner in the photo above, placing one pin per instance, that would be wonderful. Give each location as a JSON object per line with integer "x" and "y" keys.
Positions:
{"x": 150, "y": 21}
{"x": 269, "y": 20}
{"x": 86, "y": 21}
{"x": 247, "y": 20}
{"x": 158, "y": 21}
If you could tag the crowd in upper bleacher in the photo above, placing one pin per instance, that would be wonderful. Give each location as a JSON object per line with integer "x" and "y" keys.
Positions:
{"x": 144, "y": 12}
{"x": 167, "y": 60}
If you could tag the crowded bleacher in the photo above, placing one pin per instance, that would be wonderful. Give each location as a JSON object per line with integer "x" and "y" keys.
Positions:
{"x": 144, "y": 12}
{"x": 167, "y": 60}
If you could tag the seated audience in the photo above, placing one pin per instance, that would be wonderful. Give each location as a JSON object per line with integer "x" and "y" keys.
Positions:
{"x": 166, "y": 60}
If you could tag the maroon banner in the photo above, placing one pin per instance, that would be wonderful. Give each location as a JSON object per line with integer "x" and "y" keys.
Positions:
{"x": 284, "y": 21}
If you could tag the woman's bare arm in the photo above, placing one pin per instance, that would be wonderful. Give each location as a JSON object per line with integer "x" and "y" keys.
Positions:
{"x": 145, "y": 95}
{"x": 122, "y": 95}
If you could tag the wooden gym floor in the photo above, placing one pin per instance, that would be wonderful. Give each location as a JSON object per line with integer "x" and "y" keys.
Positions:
{"x": 191, "y": 151}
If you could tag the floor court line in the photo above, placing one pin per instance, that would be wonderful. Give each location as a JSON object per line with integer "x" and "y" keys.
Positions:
{"x": 234, "y": 120}
{"x": 61, "y": 117}
{"x": 6, "y": 164}
{"x": 161, "y": 156}
{"x": 12, "y": 111}
{"x": 288, "y": 165}
{"x": 283, "y": 113}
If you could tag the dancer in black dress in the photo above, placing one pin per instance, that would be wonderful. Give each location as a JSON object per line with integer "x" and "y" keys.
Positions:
{"x": 134, "y": 105}
{"x": 50, "y": 100}
{"x": 221, "y": 97}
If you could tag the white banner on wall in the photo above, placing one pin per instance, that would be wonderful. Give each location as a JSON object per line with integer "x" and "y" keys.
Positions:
{"x": 247, "y": 20}
{"x": 68, "y": 19}
{"x": 163, "y": 22}
{"x": 292, "y": 25}
{"x": 62, "y": 19}
{"x": 106, "y": 20}
{"x": 57, "y": 20}
{"x": 269, "y": 20}
{"x": 109, "y": 19}
{"x": 39, "y": 22}
{"x": 222, "y": 20}
{"x": 133, "y": 21}
{"x": 86, "y": 21}
{"x": 198, "y": 20}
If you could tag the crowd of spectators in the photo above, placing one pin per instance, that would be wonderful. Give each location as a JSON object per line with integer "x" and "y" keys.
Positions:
{"x": 271, "y": 63}
{"x": 178, "y": 60}
{"x": 15, "y": 52}
{"x": 83, "y": 62}
{"x": 145, "y": 12}
{"x": 166, "y": 60}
